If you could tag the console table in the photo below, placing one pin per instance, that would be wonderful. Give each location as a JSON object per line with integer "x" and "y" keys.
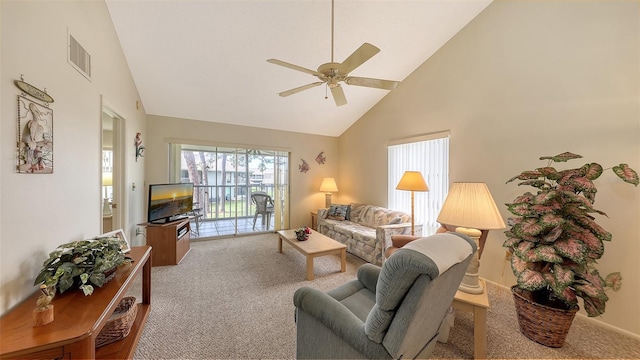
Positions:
{"x": 78, "y": 319}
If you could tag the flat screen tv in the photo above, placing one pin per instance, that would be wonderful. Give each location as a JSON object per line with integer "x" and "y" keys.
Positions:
{"x": 169, "y": 202}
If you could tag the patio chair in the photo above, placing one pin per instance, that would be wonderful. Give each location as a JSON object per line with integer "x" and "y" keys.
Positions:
{"x": 264, "y": 207}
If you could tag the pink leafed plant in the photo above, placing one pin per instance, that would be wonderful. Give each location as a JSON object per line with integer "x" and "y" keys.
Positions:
{"x": 554, "y": 239}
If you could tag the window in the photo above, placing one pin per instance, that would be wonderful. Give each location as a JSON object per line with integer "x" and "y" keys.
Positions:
{"x": 430, "y": 156}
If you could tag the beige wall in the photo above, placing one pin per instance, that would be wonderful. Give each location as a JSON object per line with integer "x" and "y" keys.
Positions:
{"x": 524, "y": 80}
{"x": 304, "y": 195}
{"x": 39, "y": 212}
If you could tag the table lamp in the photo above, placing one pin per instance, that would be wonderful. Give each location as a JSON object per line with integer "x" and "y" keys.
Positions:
{"x": 107, "y": 180}
{"x": 328, "y": 186}
{"x": 470, "y": 208}
{"x": 412, "y": 181}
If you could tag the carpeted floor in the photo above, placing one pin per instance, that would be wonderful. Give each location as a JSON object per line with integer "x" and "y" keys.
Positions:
{"x": 232, "y": 299}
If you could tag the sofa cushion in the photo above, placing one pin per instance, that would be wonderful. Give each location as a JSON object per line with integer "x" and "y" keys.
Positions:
{"x": 374, "y": 216}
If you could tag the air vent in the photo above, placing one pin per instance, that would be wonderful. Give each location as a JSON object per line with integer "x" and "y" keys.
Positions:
{"x": 79, "y": 58}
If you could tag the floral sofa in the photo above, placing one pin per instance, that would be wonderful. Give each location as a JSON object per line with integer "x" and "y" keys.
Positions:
{"x": 365, "y": 229}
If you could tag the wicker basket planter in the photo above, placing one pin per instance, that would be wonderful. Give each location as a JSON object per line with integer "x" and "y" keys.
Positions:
{"x": 543, "y": 324}
{"x": 119, "y": 324}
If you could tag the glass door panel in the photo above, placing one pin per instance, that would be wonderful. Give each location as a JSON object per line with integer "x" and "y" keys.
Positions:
{"x": 224, "y": 180}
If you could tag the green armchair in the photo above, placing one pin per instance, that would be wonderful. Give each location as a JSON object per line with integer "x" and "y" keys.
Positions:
{"x": 393, "y": 311}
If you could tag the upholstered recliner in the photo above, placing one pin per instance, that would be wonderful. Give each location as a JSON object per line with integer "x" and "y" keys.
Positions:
{"x": 390, "y": 312}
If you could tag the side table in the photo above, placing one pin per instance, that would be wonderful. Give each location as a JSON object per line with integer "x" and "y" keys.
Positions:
{"x": 478, "y": 305}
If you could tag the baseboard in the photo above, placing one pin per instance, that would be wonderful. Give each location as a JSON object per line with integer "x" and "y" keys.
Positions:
{"x": 598, "y": 322}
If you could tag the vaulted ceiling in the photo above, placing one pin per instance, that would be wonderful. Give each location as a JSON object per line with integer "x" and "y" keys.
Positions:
{"x": 206, "y": 59}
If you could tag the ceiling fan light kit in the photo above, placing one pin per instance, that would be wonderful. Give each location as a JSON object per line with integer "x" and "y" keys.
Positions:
{"x": 333, "y": 73}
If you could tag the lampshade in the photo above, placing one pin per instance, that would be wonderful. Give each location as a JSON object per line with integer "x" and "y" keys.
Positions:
{"x": 328, "y": 185}
{"x": 107, "y": 179}
{"x": 413, "y": 181}
{"x": 470, "y": 205}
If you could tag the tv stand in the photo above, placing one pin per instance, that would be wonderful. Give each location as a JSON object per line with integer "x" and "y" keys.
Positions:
{"x": 170, "y": 241}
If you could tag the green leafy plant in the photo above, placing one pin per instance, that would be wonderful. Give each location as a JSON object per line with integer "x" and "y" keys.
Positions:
{"x": 82, "y": 263}
{"x": 554, "y": 239}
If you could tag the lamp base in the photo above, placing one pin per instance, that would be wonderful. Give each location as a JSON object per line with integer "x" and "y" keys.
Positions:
{"x": 106, "y": 207}
{"x": 470, "y": 283}
{"x": 327, "y": 200}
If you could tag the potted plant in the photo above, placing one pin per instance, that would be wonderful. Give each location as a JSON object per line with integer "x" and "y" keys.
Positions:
{"x": 82, "y": 264}
{"x": 554, "y": 243}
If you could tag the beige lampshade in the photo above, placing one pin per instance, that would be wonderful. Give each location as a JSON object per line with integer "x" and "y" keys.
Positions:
{"x": 328, "y": 185}
{"x": 470, "y": 205}
{"x": 107, "y": 179}
{"x": 413, "y": 181}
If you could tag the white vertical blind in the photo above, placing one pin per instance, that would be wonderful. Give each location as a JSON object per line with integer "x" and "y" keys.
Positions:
{"x": 431, "y": 158}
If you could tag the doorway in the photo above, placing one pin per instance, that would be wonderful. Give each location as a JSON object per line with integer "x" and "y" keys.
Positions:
{"x": 111, "y": 170}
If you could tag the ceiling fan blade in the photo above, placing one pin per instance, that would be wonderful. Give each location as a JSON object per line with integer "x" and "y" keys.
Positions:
{"x": 362, "y": 54}
{"x": 374, "y": 83}
{"x": 301, "y": 88}
{"x": 338, "y": 95}
{"x": 294, "y": 67}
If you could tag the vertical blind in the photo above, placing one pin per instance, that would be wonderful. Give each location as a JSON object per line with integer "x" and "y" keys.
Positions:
{"x": 431, "y": 159}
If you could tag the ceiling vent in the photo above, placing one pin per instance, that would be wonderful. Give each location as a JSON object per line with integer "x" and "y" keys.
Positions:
{"x": 79, "y": 58}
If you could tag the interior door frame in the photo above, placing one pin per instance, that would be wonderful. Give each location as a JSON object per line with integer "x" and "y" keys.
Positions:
{"x": 119, "y": 212}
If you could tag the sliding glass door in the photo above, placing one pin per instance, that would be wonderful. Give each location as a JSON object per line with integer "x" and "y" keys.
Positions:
{"x": 236, "y": 190}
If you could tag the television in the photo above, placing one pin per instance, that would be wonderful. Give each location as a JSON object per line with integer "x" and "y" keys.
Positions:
{"x": 169, "y": 202}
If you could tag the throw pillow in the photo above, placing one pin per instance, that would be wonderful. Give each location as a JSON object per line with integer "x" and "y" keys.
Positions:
{"x": 395, "y": 220}
{"x": 337, "y": 212}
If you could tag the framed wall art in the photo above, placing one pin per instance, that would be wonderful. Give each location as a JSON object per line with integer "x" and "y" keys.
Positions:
{"x": 35, "y": 137}
{"x": 124, "y": 243}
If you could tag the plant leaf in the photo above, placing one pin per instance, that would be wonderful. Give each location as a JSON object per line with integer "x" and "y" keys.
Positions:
{"x": 547, "y": 253}
{"x": 526, "y": 175}
{"x": 518, "y": 265}
{"x": 568, "y": 295}
{"x": 531, "y": 280}
{"x": 562, "y": 275}
{"x": 565, "y": 156}
{"x": 572, "y": 249}
{"x": 592, "y": 171}
{"x": 593, "y": 306}
{"x": 549, "y": 172}
{"x": 627, "y": 174}
{"x": 540, "y": 184}
{"x": 613, "y": 281}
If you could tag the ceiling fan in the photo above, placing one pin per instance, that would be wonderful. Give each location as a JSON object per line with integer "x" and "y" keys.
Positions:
{"x": 333, "y": 73}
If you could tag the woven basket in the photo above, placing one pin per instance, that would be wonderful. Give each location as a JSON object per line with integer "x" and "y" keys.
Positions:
{"x": 543, "y": 324}
{"x": 120, "y": 322}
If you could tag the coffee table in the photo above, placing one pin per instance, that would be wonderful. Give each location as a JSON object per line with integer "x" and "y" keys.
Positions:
{"x": 316, "y": 245}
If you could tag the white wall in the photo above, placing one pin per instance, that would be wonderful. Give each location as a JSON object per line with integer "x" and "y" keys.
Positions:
{"x": 39, "y": 212}
{"x": 524, "y": 80}
{"x": 304, "y": 195}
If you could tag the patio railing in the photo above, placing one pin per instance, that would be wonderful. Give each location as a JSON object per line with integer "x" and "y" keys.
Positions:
{"x": 227, "y": 201}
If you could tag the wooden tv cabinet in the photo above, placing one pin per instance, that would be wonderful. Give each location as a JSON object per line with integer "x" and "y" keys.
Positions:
{"x": 78, "y": 319}
{"x": 170, "y": 241}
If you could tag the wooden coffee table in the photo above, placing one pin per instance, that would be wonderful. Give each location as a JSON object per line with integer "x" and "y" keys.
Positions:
{"x": 316, "y": 245}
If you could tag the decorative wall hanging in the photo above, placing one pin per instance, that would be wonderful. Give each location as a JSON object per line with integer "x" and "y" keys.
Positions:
{"x": 304, "y": 167}
{"x": 321, "y": 159}
{"x": 35, "y": 136}
{"x": 139, "y": 147}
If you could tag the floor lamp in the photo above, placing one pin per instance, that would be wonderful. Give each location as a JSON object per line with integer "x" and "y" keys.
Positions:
{"x": 412, "y": 181}
{"x": 328, "y": 186}
{"x": 470, "y": 207}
